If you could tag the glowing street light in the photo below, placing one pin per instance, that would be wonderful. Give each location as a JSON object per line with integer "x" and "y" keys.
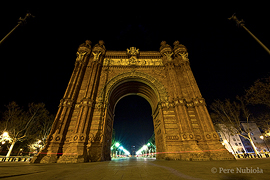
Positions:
{"x": 140, "y": 151}
{"x": 5, "y": 137}
{"x": 5, "y": 134}
{"x": 117, "y": 144}
{"x": 144, "y": 147}
{"x": 224, "y": 142}
{"x": 117, "y": 147}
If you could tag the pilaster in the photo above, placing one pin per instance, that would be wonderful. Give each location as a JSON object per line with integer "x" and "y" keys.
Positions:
{"x": 54, "y": 144}
{"x": 80, "y": 136}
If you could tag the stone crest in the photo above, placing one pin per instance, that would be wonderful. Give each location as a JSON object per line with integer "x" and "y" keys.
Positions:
{"x": 133, "y": 51}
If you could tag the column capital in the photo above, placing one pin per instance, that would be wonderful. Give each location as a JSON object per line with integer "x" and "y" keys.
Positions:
{"x": 198, "y": 101}
{"x": 83, "y": 51}
{"x": 87, "y": 102}
{"x": 66, "y": 102}
{"x": 99, "y": 47}
{"x": 85, "y": 47}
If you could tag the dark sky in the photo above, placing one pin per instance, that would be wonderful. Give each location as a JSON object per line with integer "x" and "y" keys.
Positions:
{"x": 37, "y": 59}
{"x": 133, "y": 121}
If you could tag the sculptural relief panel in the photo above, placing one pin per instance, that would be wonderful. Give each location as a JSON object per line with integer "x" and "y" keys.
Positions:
{"x": 132, "y": 61}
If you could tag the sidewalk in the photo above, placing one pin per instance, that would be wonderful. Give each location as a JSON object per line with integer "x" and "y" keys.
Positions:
{"x": 139, "y": 168}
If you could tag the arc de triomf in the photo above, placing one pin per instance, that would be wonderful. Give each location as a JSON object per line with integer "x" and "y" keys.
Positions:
{"x": 82, "y": 129}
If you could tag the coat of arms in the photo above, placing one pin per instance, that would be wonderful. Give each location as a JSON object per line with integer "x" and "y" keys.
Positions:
{"x": 132, "y": 51}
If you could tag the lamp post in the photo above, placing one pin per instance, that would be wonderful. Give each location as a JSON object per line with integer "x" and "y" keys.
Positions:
{"x": 262, "y": 138}
{"x": 20, "y": 22}
{"x": 242, "y": 24}
{"x": 5, "y": 137}
{"x": 145, "y": 150}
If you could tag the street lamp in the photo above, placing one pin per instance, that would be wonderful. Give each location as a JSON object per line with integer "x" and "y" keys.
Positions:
{"x": 5, "y": 137}
{"x": 114, "y": 148}
{"x": 262, "y": 137}
{"x": 5, "y": 134}
{"x": 242, "y": 24}
{"x": 20, "y": 22}
{"x": 117, "y": 144}
{"x": 144, "y": 147}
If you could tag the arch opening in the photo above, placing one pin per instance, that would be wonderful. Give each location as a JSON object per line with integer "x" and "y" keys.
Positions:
{"x": 133, "y": 124}
{"x": 130, "y": 89}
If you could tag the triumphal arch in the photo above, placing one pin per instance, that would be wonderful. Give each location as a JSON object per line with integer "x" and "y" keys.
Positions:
{"x": 82, "y": 129}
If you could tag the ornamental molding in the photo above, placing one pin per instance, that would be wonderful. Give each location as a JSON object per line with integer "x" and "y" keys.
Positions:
{"x": 132, "y": 61}
{"x": 158, "y": 88}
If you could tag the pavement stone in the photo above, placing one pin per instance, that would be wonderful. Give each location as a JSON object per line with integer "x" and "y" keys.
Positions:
{"x": 139, "y": 169}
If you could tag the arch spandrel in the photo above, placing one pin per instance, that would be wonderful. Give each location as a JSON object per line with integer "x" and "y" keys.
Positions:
{"x": 157, "y": 86}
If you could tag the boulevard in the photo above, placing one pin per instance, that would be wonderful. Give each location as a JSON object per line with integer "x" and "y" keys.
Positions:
{"x": 140, "y": 168}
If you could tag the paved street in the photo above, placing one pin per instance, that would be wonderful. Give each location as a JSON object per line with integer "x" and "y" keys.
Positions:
{"x": 139, "y": 168}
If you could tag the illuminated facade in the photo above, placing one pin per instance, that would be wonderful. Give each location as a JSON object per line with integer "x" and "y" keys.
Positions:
{"x": 82, "y": 130}
{"x": 237, "y": 144}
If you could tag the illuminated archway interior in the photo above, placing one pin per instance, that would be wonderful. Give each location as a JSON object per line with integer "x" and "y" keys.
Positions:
{"x": 134, "y": 125}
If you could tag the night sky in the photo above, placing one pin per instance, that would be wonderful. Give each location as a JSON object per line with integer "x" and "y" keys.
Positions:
{"x": 37, "y": 59}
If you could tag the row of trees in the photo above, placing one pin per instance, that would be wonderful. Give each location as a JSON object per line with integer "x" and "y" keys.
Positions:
{"x": 252, "y": 106}
{"x": 24, "y": 125}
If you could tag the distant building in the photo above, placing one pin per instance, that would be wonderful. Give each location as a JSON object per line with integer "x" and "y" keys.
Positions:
{"x": 233, "y": 143}
{"x": 133, "y": 150}
{"x": 237, "y": 144}
{"x": 256, "y": 135}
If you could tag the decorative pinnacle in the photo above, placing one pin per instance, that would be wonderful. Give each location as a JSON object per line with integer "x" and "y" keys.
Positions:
{"x": 163, "y": 43}
{"x": 101, "y": 42}
{"x": 238, "y": 23}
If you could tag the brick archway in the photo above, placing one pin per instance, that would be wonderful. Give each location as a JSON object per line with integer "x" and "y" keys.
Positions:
{"x": 156, "y": 87}
{"x": 82, "y": 128}
{"x": 131, "y": 85}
